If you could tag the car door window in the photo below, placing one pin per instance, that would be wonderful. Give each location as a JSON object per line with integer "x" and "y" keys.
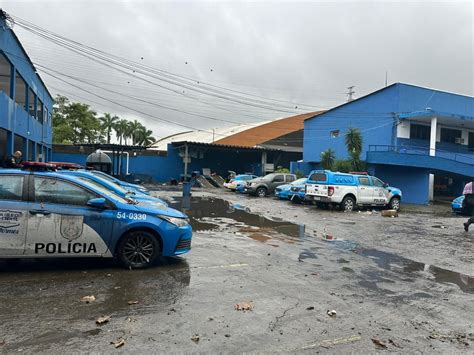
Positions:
{"x": 279, "y": 178}
{"x": 290, "y": 178}
{"x": 377, "y": 182}
{"x": 11, "y": 187}
{"x": 48, "y": 190}
{"x": 364, "y": 181}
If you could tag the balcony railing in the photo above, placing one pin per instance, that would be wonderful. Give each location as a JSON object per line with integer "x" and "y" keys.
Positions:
{"x": 415, "y": 150}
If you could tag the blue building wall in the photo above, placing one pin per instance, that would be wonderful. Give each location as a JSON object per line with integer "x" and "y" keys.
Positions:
{"x": 373, "y": 115}
{"x": 33, "y": 133}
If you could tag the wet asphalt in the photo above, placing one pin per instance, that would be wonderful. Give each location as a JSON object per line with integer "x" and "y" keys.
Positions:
{"x": 394, "y": 284}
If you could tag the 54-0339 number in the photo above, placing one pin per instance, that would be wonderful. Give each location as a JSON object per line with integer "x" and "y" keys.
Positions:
{"x": 131, "y": 215}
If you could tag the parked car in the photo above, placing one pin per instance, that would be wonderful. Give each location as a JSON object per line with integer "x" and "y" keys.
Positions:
{"x": 119, "y": 190}
{"x": 290, "y": 191}
{"x": 50, "y": 215}
{"x": 350, "y": 190}
{"x": 266, "y": 185}
{"x": 238, "y": 180}
{"x": 457, "y": 206}
{"x": 124, "y": 184}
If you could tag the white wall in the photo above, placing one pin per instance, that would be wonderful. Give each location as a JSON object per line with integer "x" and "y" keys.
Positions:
{"x": 403, "y": 131}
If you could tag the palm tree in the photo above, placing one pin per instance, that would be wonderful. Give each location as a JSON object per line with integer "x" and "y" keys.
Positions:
{"x": 135, "y": 128}
{"x": 353, "y": 142}
{"x": 120, "y": 128}
{"x": 145, "y": 137}
{"x": 327, "y": 159}
{"x": 107, "y": 124}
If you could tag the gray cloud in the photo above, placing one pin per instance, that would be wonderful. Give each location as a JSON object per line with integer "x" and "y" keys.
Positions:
{"x": 306, "y": 52}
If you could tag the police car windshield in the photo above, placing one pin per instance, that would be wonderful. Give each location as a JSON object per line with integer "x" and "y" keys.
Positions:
{"x": 299, "y": 181}
{"x": 104, "y": 191}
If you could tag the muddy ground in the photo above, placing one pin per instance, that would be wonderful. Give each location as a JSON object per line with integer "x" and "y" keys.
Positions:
{"x": 401, "y": 284}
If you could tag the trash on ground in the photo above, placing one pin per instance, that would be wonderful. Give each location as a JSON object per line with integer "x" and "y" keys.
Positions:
{"x": 118, "y": 343}
{"x": 394, "y": 344}
{"x": 328, "y": 237}
{"x": 310, "y": 308}
{"x": 389, "y": 213}
{"x": 132, "y": 302}
{"x": 195, "y": 338}
{"x": 88, "y": 299}
{"x": 2, "y": 343}
{"x": 331, "y": 313}
{"x": 244, "y": 306}
{"x": 378, "y": 343}
{"x": 102, "y": 320}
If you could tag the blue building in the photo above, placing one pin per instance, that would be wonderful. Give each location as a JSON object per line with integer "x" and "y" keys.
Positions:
{"x": 25, "y": 103}
{"x": 415, "y": 138}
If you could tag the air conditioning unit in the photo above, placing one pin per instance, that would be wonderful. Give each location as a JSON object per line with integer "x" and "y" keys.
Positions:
{"x": 459, "y": 141}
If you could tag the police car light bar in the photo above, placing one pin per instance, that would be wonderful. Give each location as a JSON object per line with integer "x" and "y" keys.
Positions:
{"x": 38, "y": 166}
{"x": 65, "y": 165}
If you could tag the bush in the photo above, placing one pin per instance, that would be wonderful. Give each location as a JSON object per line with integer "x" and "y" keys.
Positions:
{"x": 282, "y": 170}
{"x": 342, "y": 166}
{"x": 299, "y": 174}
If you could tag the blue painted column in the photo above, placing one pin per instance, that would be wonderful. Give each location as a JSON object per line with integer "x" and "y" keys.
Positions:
{"x": 33, "y": 152}
{"x": 12, "y": 82}
{"x": 25, "y": 148}
{"x": 10, "y": 142}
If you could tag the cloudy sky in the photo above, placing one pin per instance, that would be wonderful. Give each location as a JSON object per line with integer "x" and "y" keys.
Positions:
{"x": 244, "y": 62}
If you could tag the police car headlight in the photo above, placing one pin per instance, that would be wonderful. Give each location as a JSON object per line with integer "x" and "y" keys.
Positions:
{"x": 178, "y": 222}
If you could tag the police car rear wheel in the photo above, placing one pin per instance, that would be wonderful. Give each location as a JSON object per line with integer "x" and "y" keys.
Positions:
{"x": 395, "y": 203}
{"x": 138, "y": 250}
{"x": 348, "y": 204}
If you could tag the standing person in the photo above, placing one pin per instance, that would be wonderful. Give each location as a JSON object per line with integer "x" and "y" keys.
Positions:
{"x": 468, "y": 204}
{"x": 14, "y": 161}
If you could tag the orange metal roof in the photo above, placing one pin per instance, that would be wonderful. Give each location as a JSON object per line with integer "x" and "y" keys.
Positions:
{"x": 268, "y": 131}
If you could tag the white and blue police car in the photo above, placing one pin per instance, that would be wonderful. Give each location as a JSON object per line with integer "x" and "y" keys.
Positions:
{"x": 46, "y": 214}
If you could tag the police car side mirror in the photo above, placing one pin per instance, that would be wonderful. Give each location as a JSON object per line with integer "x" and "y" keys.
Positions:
{"x": 97, "y": 202}
{"x": 385, "y": 185}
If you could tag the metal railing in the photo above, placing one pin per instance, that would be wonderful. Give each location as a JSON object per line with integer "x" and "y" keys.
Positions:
{"x": 418, "y": 150}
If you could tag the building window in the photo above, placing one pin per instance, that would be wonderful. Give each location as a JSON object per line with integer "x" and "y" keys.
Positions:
{"x": 5, "y": 75}
{"x": 20, "y": 91}
{"x": 451, "y": 135}
{"x": 31, "y": 102}
{"x": 39, "y": 111}
{"x": 418, "y": 131}
{"x": 334, "y": 134}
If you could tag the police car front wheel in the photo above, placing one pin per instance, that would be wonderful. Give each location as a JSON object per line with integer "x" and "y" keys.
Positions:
{"x": 138, "y": 249}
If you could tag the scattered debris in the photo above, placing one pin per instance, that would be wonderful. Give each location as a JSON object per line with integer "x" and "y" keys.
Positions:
{"x": 118, "y": 343}
{"x": 331, "y": 342}
{"x": 227, "y": 335}
{"x": 2, "y": 343}
{"x": 390, "y": 341}
{"x": 244, "y": 306}
{"x": 332, "y": 313}
{"x": 195, "y": 338}
{"x": 102, "y": 320}
{"x": 378, "y": 343}
{"x": 132, "y": 302}
{"x": 88, "y": 299}
{"x": 328, "y": 237}
{"x": 389, "y": 213}
{"x": 310, "y": 308}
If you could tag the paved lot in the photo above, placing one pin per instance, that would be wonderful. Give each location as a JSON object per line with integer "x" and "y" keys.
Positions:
{"x": 406, "y": 282}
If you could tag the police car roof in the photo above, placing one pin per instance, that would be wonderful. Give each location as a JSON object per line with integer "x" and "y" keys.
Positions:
{"x": 13, "y": 170}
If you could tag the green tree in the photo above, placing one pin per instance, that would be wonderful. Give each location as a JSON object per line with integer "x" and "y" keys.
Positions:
{"x": 342, "y": 166}
{"x": 353, "y": 140}
{"x": 121, "y": 128}
{"x": 145, "y": 137}
{"x": 136, "y": 129}
{"x": 327, "y": 159}
{"x": 107, "y": 124}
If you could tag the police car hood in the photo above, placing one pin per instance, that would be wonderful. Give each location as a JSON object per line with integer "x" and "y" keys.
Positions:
{"x": 159, "y": 209}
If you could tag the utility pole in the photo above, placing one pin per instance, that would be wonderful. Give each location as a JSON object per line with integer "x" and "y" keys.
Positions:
{"x": 350, "y": 93}
{"x": 386, "y": 78}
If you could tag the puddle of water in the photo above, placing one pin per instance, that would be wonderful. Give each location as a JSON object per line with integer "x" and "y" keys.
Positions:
{"x": 212, "y": 213}
{"x": 393, "y": 262}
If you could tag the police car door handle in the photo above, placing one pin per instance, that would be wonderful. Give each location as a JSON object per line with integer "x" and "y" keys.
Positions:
{"x": 43, "y": 212}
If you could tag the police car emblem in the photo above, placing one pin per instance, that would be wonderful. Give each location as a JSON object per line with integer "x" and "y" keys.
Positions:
{"x": 10, "y": 221}
{"x": 71, "y": 227}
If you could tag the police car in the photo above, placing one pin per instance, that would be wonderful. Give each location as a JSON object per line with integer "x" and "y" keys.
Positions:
{"x": 48, "y": 214}
{"x": 119, "y": 190}
{"x": 124, "y": 184}
{"x": 350, "y": 190}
